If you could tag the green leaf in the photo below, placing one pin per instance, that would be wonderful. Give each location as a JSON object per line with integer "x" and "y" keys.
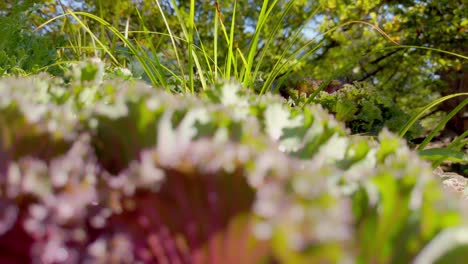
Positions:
{"x": 435, "y": 154}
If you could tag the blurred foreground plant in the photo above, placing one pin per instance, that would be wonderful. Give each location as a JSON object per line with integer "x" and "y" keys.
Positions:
{"x": 100, "y": 170}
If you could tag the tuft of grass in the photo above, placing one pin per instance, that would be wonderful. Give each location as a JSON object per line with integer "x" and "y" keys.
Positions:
{"x": 196, "y": 66}
{"x": 238, "y": 64}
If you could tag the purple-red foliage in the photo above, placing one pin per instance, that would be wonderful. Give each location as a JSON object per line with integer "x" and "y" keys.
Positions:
{"x": 69, "y": 210}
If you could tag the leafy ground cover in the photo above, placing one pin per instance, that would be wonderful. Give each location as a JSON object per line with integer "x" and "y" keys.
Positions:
{"x": 172, "y": 143}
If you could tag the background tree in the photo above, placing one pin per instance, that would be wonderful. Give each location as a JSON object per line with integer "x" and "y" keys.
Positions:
{"x": 412, "y": 76}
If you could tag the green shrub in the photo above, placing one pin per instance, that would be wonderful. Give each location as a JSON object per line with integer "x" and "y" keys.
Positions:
{"x": 363, "y": 108}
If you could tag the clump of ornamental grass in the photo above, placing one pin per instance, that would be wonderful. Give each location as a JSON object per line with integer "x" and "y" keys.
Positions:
{"x": 197, "y": 60}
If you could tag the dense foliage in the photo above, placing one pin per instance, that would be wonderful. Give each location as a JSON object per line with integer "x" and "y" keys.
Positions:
{"x": 363, "y": 109}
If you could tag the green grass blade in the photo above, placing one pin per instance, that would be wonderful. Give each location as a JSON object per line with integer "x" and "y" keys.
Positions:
{"x": 201, "y": 49}
{"x": 229, "y": 41}
{"x": 455, "y": 145}
{"x": 207, "y": 61}
{"x": 273, "y": 34}
{"x": 442, "y": 124}
{"x": 50, "y": 21}
{"x": 230, "y": 57}
{"x": 223, "y": 28}
{"x": 192, "y": 55}
{"x": 201, "y": 72}
{"x": 418, "y": 115}
{"x": 459, "y": 142}
{"x": 174, "y": 46}
{"x": 244, "y": 61}
{"x": 446, "y": 154}
{"x": 426, "y": 48}
{"x": 151, "y": 66}
{"x": 215, "y": 45}
{"x": 135, "y": 50}
{"x": 153, "y": 63}
{"x": 188, "y": 34}
{"x": 254, "y": 43}
{"x": 188, "y": 31}
{"x": 57, "y": 63}
{"x": 277, "y": 69}
{"x": 93, "y": 36}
